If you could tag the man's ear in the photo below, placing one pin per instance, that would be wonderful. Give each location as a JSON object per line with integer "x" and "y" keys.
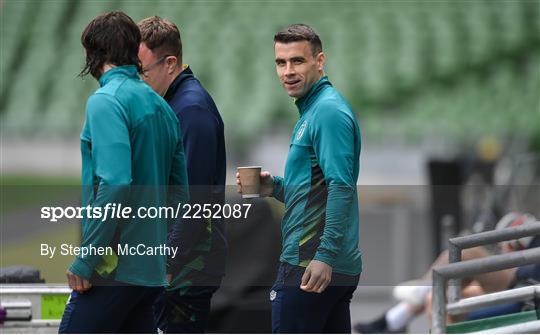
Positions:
{"x": 172, "y": 63}
{"x": 320, "y": 61}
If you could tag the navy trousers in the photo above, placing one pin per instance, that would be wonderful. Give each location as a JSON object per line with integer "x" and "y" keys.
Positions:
{"x": 184, "y": 312}
{"x": 186, "y": 308}
{"x": 297, "y": 311}
{"x": 111, "y": 309}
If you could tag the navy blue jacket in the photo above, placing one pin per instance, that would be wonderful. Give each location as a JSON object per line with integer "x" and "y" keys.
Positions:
{"x": 202, "y": 242}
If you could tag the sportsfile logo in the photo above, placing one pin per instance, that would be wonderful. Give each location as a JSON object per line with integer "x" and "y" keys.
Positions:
{"x": 119, "y": 211}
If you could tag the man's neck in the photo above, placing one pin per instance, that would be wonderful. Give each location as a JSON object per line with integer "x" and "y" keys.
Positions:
{"x": 177, "y": 71}
{"x": 107, "y": 67}
{"x": 174, "y": 75}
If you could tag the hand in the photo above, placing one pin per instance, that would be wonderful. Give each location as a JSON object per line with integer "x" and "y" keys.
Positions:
{"x": 77, "y": 283}
{"x": 316, "y": 277}
{"x": 267, "y": 184}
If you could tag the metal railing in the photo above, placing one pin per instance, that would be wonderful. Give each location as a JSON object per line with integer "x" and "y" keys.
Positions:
{"x": 509, "y": 296}
{"x": 457, "y": 270}
{"x": 455, "y": 245}
{"x": 23, "y": 303}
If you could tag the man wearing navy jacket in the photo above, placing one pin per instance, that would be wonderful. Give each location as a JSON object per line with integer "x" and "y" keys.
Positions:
{"x": 196, "y": 273}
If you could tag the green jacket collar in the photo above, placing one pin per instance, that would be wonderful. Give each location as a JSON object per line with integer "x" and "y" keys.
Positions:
{"x": 118, "y": 71}
{"x": 304, "y": 102}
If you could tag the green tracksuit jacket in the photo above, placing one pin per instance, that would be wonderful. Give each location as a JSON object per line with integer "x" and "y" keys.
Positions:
{"x": 321, "y": 218}
{"x": 132, "y": 150}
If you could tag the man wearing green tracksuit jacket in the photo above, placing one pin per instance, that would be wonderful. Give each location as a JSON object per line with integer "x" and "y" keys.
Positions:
{"x": 132, "y": 155}
{"x": 320, "y": 259}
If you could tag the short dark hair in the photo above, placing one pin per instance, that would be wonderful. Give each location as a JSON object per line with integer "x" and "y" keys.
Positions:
{"x": 110, "y": 38}
{"x": 161, "y": 36}
{"x": 299, "y": 32}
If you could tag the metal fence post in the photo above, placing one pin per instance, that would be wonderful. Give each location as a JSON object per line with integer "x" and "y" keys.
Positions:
{"x": 454, "y": 256}
{"x": 438, "y": 304}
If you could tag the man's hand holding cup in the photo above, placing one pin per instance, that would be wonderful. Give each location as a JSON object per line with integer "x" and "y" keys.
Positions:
{"x": 254, "y": 183}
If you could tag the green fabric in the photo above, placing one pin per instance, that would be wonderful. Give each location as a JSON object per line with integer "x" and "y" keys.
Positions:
{"x": 107, "y": 265}
{"x": 490, "y": 323}
{"x": 321, "y": 219}
{"x": 132, "y": 151}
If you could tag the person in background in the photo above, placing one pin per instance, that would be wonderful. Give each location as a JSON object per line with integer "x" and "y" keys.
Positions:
{"x": 415, "y": 295}
{"x": 196, "y": 273}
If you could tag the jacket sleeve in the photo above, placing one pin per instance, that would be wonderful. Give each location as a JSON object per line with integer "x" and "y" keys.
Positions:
{"x": 200, "y": 132}
{"x": 333, "y": 136}
{"x": 279, "y": 189}
{"x": 111, "y": 158}
{"x": 178, "y": 180}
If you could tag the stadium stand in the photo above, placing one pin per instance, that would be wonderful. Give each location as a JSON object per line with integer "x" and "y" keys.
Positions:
{"x": 475, "y": 63}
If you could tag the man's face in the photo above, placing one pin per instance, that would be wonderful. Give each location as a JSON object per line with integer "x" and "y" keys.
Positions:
{"x": 155, "y": 70}
{"x": 297, "y": 68}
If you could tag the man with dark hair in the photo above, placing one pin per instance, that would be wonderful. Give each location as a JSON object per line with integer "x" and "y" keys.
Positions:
{"x": 320, "y": 260}
{"x": 131, "y": 148}
{"x": 195, "y": 274}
